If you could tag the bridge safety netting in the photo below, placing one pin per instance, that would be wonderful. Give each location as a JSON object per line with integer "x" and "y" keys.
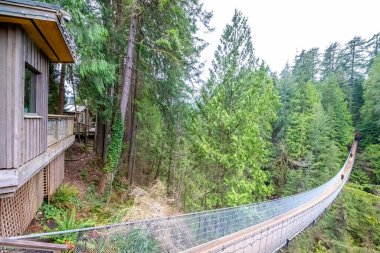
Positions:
{"x": 189, "y": 231}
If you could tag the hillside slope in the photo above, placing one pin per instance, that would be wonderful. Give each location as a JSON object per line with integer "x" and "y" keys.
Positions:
{"x": 352, "y": 224}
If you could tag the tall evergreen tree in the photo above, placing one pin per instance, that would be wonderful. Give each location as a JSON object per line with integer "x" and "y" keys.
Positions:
{"x": 371, "y": 108}
{"x": 353, "y": 65}
{"x": 237, "y": 108}
{"x": 306, "y": 66}
{"x": 336, "y": 107}
{"x": 330, "y": 62}
{"x": 373, "y": 48}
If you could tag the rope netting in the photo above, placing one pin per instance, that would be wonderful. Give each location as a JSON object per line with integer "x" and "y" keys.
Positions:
{"x": 191, "y": 232}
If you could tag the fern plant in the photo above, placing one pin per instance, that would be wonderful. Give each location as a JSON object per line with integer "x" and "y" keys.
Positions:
{"x": 67, "y": 221}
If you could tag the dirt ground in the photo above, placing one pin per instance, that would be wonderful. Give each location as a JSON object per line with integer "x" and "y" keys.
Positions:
{"x": 81, "y": 168}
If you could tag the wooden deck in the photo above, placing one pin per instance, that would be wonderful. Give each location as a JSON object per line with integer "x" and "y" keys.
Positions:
{"x": 59, "y": 127}
{"x": 34, "y": 158}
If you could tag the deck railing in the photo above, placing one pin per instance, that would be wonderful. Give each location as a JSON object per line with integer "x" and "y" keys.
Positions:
{"x": 59, "y": 127}
{"x": 10, "y": 245}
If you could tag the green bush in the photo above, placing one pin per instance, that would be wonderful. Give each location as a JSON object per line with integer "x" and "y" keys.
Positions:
{"x": 68, "y": 221}
{"x": 50, "y": 211}
{"x": 359, "y": 176}
{"x": 135, "y": 241}
{"x": 372, "y": 153}
{"x": 66, "y": 197}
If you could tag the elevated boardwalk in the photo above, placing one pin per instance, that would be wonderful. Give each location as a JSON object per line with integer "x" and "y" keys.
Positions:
{"x": 259, "y": 227}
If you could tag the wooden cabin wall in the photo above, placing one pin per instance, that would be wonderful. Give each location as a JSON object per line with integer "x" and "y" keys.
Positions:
{"x": 54, "y": 174}
{"x": 35, "y": 128}
{"x": 23, "y": 137}
{"x": 11, "y": 96}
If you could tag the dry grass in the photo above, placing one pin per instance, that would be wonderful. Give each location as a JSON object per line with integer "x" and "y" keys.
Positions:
{"x": 149, "y": 204}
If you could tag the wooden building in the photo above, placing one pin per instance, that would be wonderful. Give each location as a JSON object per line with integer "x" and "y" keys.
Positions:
{"x": 84, "y": 123}
{"x": 32, "y": 143}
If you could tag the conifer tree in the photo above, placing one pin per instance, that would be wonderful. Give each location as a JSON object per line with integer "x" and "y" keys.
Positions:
{"x": 353, "y": 65}
{"x": 237, "y": 108}
{"x": 330, "y": 62}
{"x": 336, "y": 107}
{"x": 373, "y": 48}
{"x": 306, "y": 66}
{"x": 371, "y": 109}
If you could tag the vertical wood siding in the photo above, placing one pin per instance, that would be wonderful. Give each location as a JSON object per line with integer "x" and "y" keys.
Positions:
{"x": 21, "y": 139}
{"x": 31, "y": 145}
{"x": 55, "y": 174}
{"x": 11, "y": 96}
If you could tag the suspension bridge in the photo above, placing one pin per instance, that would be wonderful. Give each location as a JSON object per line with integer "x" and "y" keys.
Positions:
{"x": 259, "y": 227}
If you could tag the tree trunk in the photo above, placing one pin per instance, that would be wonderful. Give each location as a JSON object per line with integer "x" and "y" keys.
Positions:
{"x": 160, "y": 160}
{"x": 107, "y": 177}
{"x": 127, "y": 82}
{"x": 101, "y": 138}
{"x": 353, "y": 49}
{"x": 133, "y": 131}
{"x": 61, "y": 94}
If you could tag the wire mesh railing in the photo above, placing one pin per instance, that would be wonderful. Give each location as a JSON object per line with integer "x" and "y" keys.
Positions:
{"x": 188, "y": 231}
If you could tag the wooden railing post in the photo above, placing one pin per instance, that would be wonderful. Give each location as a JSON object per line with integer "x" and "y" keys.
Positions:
{"x": 56, "y": 135}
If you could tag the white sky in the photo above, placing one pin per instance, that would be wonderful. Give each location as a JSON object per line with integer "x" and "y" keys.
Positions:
{"x": 281, "y": 27}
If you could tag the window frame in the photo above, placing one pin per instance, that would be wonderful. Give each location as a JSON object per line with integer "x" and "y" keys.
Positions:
{"x": 33, "y": 90}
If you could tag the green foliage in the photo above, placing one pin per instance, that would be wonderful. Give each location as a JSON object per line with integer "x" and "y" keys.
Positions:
{"x": 351, "y": 225}
{"x": 99, "y": 212}
{"x": 115, "y": 145}
{"x": 135, "y": 241}
{"x": 305, "y": 67}
{"x": 50, "y": 211}
{"x": 353, "y": 64}
{"x": 335, "y": 105}
{"x": 68, "y": 221}
{"x": 359, "y": 176}
{"x": 233, "y": 125}
{"x": 65, "y": 197}
{"x": 372, "y": 154}
{"x": 371, "y": 108}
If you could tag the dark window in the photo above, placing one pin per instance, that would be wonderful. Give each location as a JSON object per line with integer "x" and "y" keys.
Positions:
{"x": 30, "y": 90}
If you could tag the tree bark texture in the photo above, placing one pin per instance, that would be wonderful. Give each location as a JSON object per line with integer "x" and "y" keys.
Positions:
{"x": 101, "y": 138}
{"x": 127, "y": 80}
{"x": 133, "y": 140}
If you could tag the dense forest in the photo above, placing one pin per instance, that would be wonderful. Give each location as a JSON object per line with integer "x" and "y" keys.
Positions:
{"x": 245, "y": 134}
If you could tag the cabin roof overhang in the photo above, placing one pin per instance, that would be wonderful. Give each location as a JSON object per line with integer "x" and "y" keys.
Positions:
{"x": 43, "y": 23}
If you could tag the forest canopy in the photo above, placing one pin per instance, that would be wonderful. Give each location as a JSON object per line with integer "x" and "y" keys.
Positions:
{"x": 243, "y": 135}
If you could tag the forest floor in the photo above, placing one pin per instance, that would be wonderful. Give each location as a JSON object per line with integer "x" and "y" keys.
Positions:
{"x": 78, "y": 194}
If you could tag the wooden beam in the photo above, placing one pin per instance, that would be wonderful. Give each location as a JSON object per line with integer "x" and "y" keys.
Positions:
{"x": 24, "y": 244}
{"x": 8, "y": 178}
{"x": 29, "y": 169}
